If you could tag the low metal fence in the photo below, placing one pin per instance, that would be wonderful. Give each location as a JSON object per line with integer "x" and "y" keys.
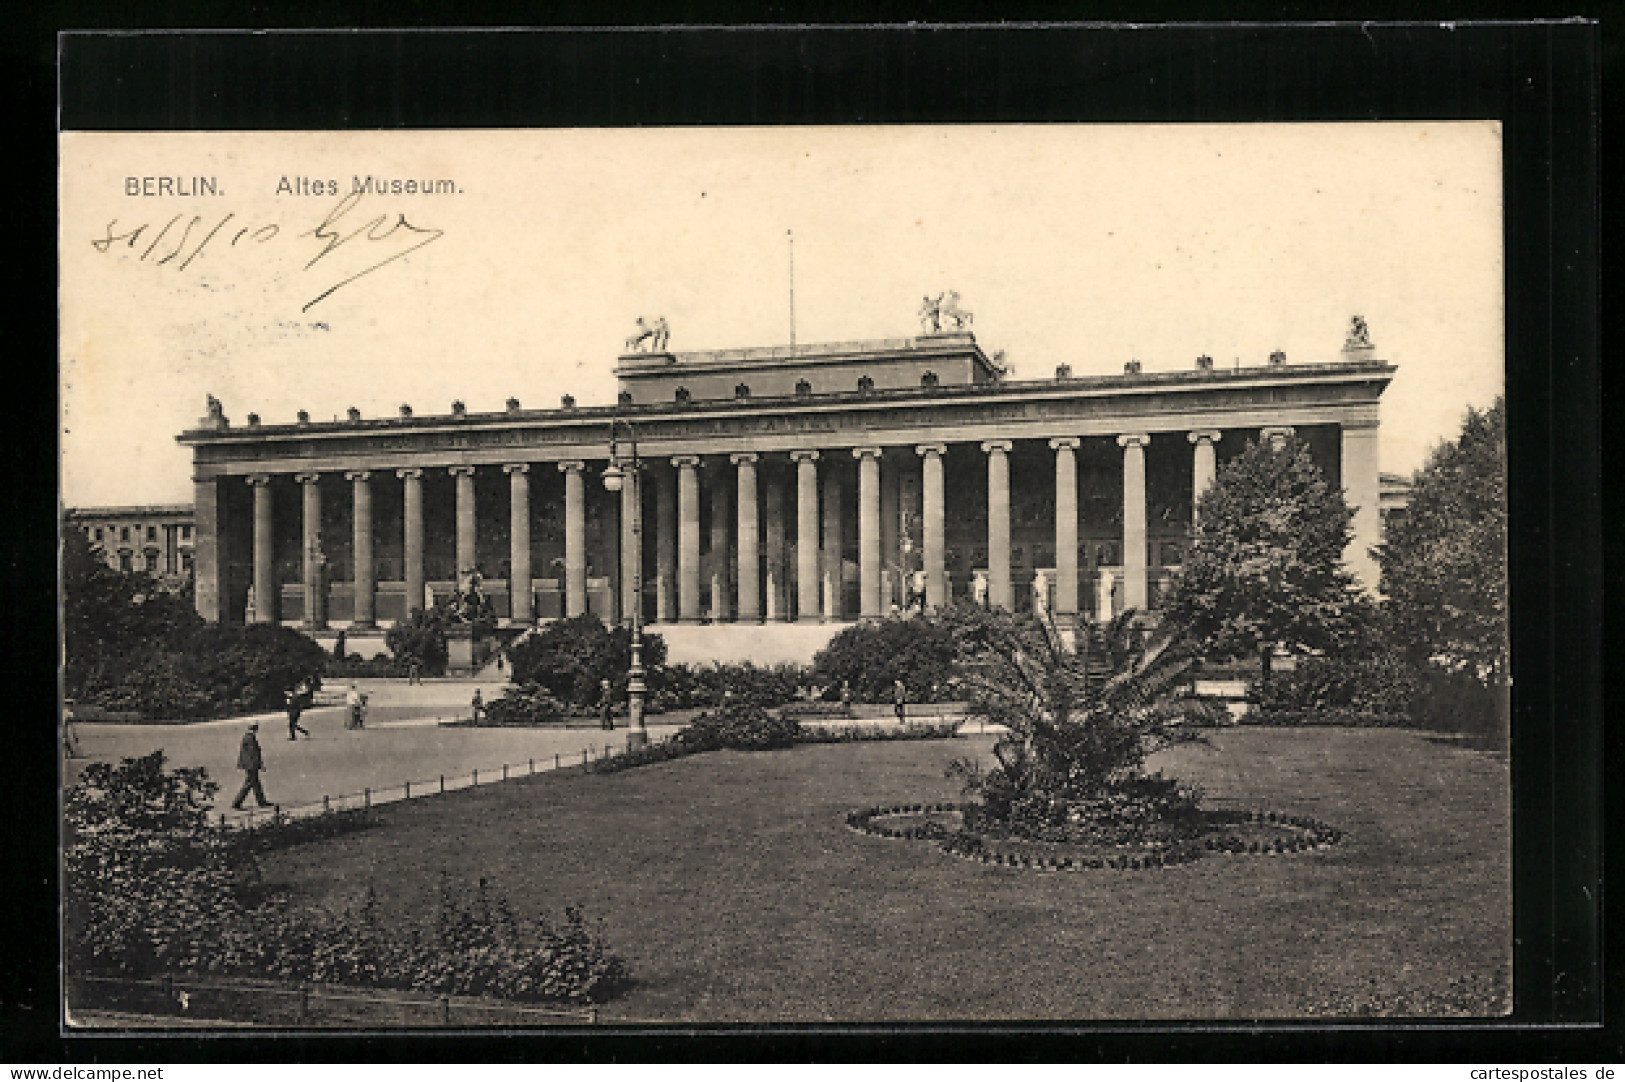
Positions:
{"x": 252, "y": 818}
{"x": 173, "y": 1001}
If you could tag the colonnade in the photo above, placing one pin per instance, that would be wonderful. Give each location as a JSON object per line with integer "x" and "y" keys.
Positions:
{"x": 747, "y": 520}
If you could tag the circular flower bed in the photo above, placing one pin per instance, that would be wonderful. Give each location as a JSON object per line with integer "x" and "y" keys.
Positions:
{"x": 1218, "y": 832}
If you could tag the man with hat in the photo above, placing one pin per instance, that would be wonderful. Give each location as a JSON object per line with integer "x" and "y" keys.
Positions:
{"x": 250, "y": 762}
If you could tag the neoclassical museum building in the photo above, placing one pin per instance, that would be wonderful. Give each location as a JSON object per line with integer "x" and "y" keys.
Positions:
{"x": 821, "y": 483}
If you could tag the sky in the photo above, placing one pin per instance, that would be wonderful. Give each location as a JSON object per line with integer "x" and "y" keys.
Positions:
{"x": 1085, "y": 245}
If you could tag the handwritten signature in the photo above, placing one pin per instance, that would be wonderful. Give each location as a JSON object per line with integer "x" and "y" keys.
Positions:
{"x": 383, "y": 233}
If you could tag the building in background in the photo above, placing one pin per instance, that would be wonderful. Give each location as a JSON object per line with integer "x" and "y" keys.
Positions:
{"x": 809, "y": 483}
{"x": 155, "y": 538}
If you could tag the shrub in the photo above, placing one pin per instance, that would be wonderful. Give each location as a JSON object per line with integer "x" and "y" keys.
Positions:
{"x": 847, "y": 734}
{"x": 379, "y": 666}
{"x": 530, "y": 704}
{"x": 571, "y": 658}
{"x": 685, "y": 687}
{"x": 1459, "y": 702}
{"x": 1336, "y": 715}
{"x": 743, "y": 726}
{"x": 420, "y": 638}
{"x": 152, "y": 889}
{"x": 1378, "y": 683}
{"x": 870, "y": 656}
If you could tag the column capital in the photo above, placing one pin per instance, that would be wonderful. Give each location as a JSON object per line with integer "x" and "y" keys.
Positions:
{"x": 307, "y": 478}
{"x": 803, "y": 456}
{"x": 691, "y": 461}
{"x": 1001, "y": 446}
{"x": 410, "y": 473}
{"x": 358, "y": 475}
{"x": 927, "y": 449}
{"x": 572, "y": 466}
{"x": 1205, "y": 435}
{"x": 258, "y": 479}
{"x": 1134, "y": 439}
{"x": 867, "y": 452}
{"x": 460, "y": 471}
{"x": 1068, "y": 443}
{"x": 744, "y": 458}
{"x": 516, "y": 467}
{"x": 1276, "y": 434}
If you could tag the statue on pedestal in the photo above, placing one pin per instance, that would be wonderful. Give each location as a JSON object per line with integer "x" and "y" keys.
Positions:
{"x": 1359, "y": 334}
{"x": 931, "y": 315}
{"x": 652, "y": 336}
{"x": 250, "y": 608}
{"x": 978, "y": 588}
{"x": 937, "y": 312}
{"x": 1040, "y": 595}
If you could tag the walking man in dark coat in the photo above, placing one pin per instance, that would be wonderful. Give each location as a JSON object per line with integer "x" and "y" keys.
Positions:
{"x": 299, "y": 698}
{"x": 250, "y": 762}
{"x": 899, "y": 698}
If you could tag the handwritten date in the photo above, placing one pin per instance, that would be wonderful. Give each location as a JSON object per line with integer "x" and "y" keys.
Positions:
{"x": 338, "y": 244}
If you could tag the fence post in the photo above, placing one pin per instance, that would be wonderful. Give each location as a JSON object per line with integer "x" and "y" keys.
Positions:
{"x": 327, "y": 804}
{"x": 504, "y": 771}
{"x": 366, "y": 798}
{"x": 476, "y": 775}
{"x": 533, "y": 766}
{"x": 556, "y": 761}
{"x": 442, "y": 783}
{"x": 304, "y": 1004}
{"x": 583, "y": 756}
{"x": 445, "y": 1009}
{"x": 408, "y": 787}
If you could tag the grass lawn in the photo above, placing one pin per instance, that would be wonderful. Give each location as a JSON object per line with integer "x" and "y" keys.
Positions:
{"x": 735, "y": 892}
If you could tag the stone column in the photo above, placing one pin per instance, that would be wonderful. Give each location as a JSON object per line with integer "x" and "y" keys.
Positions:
{"x": 1066, "y": 524}
{"x": 750, "y": 594}
{"x": 266, "y": 591}
{"x": 631, "y": 552}
{"x": 1361, "y": 488}
{"x": 721, "y": 610}
{"x": 208, "y": 592}
{"x": 806, "y": 534}
{"x": 868, "y": 530}
{"x": 890, "y": 528}
{"x": 466, "y": 560}
{"x": 1134, "y": 532}
{"x": 666, "y": 546}
{"x": 934, "y": 510}
{"x": 521, "y": 596}
{"x": 834, "y": 602}
{"x": 575, "y": 539}
{"x": 999, "y": 594}
{"x": 776, "y": 601}
{"x": 688, "y": 538}
{"x": 1276, "y": 436}
{"x": 412, "y": 544}
{"x": 315, "y": 609}
{"x": 362, "y": 582}
{"x": 1204, "y": 465}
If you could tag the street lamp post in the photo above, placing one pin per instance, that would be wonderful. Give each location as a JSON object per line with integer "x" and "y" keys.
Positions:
{"x": 614, "y": 477}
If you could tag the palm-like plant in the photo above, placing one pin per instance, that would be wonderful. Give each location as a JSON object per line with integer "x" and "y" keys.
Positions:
{"x": 1079, "y": 721}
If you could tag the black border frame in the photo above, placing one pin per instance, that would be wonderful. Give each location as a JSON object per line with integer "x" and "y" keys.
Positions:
{"x": 1542, "y": 81}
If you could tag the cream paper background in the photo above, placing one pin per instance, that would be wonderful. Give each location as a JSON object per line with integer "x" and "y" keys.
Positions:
{"x": 1076, "y": 244}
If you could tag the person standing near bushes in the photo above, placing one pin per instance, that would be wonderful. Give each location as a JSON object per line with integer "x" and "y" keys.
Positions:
{"x": 250, "y": 762}
{"x": 606, "y": 704}
{"x": 899, "y": 698}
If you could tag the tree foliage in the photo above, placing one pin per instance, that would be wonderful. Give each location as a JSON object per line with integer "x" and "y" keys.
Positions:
{"x": 420, "y": 639}
{"x": 1079, "y": 724}
{"x": 1265, "y": 571}
{"x": 1444, "y": 560}
{"x": 131, "y": 645}
{"x": 873, "y": 654}
{"x": 570, "y": 658}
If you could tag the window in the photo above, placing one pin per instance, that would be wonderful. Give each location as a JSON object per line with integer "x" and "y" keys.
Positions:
{"x": 124, "y": 561}
{"x": 154, "y": 561}
{"x": 186, "y": 533}
{"x": 98, "y": 533}
{"x": 123, "y": 533}
{"x": 152, "y": 533}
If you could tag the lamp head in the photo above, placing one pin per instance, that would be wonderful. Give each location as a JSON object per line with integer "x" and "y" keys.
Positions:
{"x": 614, "y": 477}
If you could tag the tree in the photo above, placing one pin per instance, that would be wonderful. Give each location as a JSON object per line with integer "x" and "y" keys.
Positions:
{"x": 1265, "y": 570}
{"x": 1444, "y": 560}
{"x": 420, "y": 638}
{"x": 1078, "y": 725}
{"x": 570, "y": 658}
{"x": 111, "y": 617}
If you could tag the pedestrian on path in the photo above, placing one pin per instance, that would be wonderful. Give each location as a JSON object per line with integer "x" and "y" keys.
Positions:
{"x": 298, "y": 698}
{"x": 478, "y": 704}
{"x": 606, "y": 704}
{"x": 357, "y": 703}
{"x": 250, "y": 762}
{"x": 899, "y": 698}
